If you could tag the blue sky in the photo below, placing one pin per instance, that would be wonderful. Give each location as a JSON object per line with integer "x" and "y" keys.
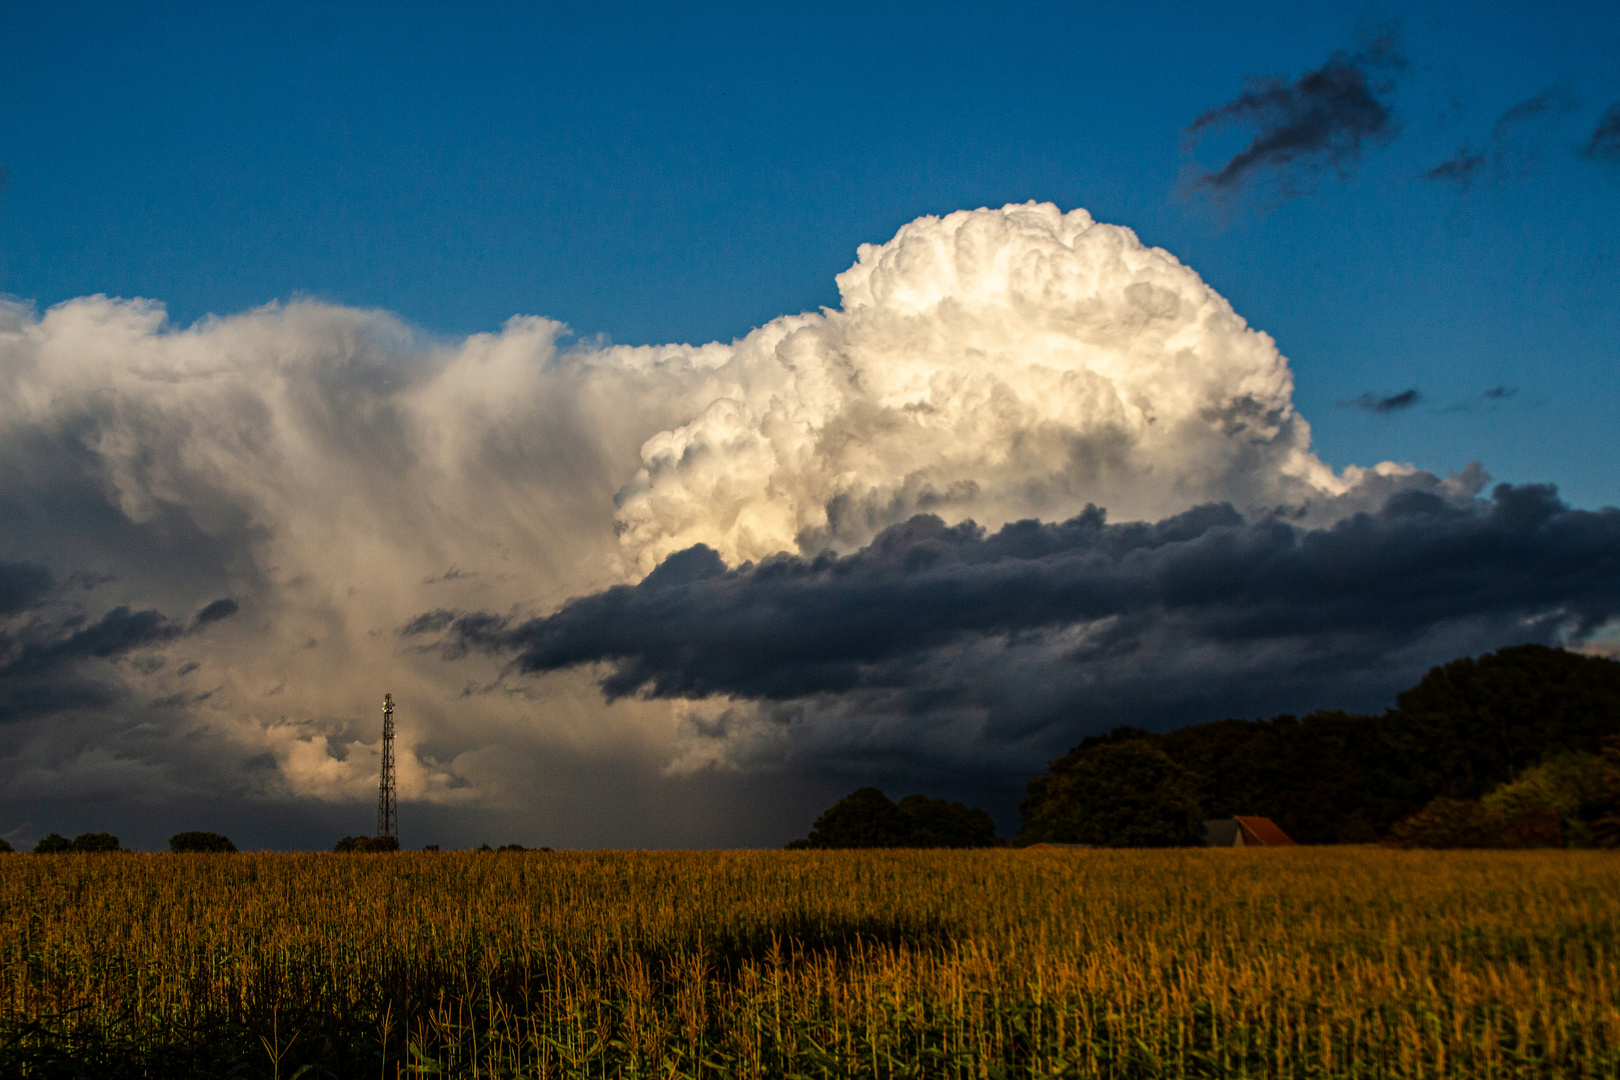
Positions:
{"x": 685, "y": 173}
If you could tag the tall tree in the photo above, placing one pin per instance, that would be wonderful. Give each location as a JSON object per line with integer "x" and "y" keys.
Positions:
{"x": 1113, "y": 794}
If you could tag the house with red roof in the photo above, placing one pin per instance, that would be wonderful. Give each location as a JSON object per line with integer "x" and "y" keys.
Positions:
{"x": 1245, "y": 832}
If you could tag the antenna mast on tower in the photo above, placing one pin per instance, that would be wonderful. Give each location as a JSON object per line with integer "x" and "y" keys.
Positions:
{"x": 386, "y": 823}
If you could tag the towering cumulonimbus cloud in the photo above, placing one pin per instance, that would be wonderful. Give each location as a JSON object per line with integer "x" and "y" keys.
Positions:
{"x": 993, "y": 364}
{"x": 229, "y": 539}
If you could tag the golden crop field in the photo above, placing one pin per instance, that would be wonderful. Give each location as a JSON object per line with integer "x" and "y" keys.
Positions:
{"x": 1000, "y": 963}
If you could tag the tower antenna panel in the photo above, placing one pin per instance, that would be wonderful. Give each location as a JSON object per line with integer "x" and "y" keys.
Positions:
{"x": 387, "y": 823}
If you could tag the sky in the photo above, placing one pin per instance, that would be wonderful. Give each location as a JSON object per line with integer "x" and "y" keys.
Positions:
{"x": 529, "y": 365}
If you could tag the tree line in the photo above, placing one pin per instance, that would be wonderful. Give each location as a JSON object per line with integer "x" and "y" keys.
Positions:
{"x": 179, "y": 843}
{"x": 1520, "y": 747}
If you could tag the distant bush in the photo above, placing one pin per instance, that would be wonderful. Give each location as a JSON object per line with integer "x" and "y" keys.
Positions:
{"x": 98, "y": 841}
{"x": 5, "y": 848}
{"x": 511, "y": 847}
{"x": 1572, "y": 785}
{"x": 430, "y": 847}
{"x": 1468, "y": 823}
{"x": 1569, "y": 800}
{"x": 1606, "y": 822}
{"x": 180, "y": 843}
{"x": 57, "y": 844}
{"x": 364, "y": 844}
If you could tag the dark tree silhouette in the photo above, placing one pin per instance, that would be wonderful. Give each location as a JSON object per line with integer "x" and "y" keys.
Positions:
{"x": 363, "y": 844}
{"x": 1115, "y": 794}
{"x": 56, "y": 844}
{"x": 867, "y": 819}
{"x": 938, "y": 823}
{"x": 200, "y": 842}
{"x": 1334, "y": 777}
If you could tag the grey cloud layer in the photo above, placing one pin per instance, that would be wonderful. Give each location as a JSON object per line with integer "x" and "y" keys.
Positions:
{"x": 1081, "y": 602}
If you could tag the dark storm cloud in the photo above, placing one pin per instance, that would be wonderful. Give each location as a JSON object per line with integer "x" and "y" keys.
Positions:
{"x": 117, "y": 632}
{"x": 1375, "y": 403}
{"x": 44, "y": 664}
{"x": 1085, "y": 615}
{"x": 1604, "y": 144}
{"x": 44, "y": 667}
{"x": 1325, "y": 117}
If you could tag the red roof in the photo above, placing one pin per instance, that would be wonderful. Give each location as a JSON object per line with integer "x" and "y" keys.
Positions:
{"x": 1263, "y": 832}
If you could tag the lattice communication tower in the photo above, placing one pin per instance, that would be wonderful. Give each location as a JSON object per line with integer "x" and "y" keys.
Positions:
{"x": 387, "y": 824}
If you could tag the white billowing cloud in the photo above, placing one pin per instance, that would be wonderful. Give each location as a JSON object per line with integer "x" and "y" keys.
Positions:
{"x": 338, "y": 475}
{"x": 992, "y": 364}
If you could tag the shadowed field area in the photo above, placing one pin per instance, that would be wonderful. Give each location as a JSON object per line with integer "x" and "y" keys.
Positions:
{"x": 1302, "y": 962}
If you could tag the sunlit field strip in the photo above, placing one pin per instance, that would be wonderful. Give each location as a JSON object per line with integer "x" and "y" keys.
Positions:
{"x": 1304, "y": 962}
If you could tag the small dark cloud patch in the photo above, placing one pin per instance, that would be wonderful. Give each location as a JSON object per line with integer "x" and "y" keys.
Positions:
{"x": 22, "y": 586}
{"x": 429, "y": 622}
{"x": 1085, "y": 622}
{"x": 1379, "y": 403}
{"x": 1496, "y": 395}
{"x": 1461, "y": 168}
{"x": 1506, "y": 152}
{"x": 89, "y": 580}
{"x": 1550, "y": 102}
{"x": 1326, "y": 117}
{"x": 188, "y": 667}
{"x": 1604, "y": 145}
{"x": 219, "y": 609}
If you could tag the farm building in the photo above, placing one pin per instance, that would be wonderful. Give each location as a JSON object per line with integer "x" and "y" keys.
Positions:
{"x": 1244, "y": 832}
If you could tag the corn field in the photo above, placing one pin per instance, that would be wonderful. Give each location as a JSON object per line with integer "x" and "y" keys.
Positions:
{"x": 1002, "y": 963}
